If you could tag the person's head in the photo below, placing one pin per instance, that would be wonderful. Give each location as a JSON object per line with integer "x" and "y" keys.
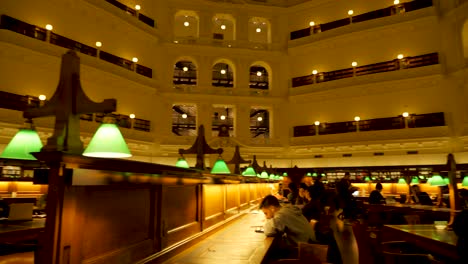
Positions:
{"x": 312, "y": 192}
{"x": 292, "y": 186}
{"x": 415, "y": 188}
{"x": 379, "y": 187}
{"x": 302, "y": 188}
{"x": 269, "y": 205}
{"x": 347, "y": 175}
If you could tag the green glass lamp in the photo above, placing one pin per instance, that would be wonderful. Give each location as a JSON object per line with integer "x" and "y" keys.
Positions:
{"x": 220, "y": 167}
{"x": 182, "y": 163}
{"x": 429, "y": 181}
{"x": 465, "y": 181}
{"x": 272, "y": 176}
{"x": 314, "y": 174}
{"x": 437, "y": 180}
{"x": 309, "y": 174}
{"x": 249, "y": 172}
{"x": 23, "y": 143}
{"x": 107, "y": 142}
{"x": 367, "y": 179}
{"x": 285, "y": 174}
{"x": 264, "y": 175}
{"x": 401, "y": 181}
{"x": 447, "y": 181}
{"x": 281, "y": 178}
{"x": 415, "y": 180}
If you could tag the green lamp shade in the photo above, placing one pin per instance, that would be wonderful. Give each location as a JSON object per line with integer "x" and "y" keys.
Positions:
{"x": 367, "y": 178}
{"x": 309, "y": 174}
{"x": 107, "y": 142}
{"x": 182, "y": 163}
{"x": 429, "y": 181}
{"x": 249, "y": 172}
{"x": 465, "y": 181}
{"x": 401, "y": 181}
{"x": 281, "y": 178}
{"x": 22, "y": 144}
{"x": 272, "y": 176}
{"x": 285, "y": 174}
{"x": 421, "y": 177}
{"x": 447, "y": 181}
{"x": 220, "y": 167}
{"x": 314, "y": 174}
{"x": 264, "y": 175}
{"x": 437, "y": 180}
{"x": 415, "y": 180}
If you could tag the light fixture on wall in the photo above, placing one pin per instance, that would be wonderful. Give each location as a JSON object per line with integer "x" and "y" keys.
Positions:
{"x": 258, "y": 30}
{"x": 49, "y": 27}
{"x": 400, "y": 56}
{"x": 135, "y": 59}
{"x": 259, "y": 73}
{"x": 137, "y": 7}
{"x": 220, "y": 167}
{"x": 223, "y": 71}
{"x": 396, "y": 2}
{"x": 314, "y": 72}
{"x": 185, "y": 69}
{"x": 182, "y": 163}
{"x": 354, "y": 64}
{"x": 311, "y": 23}
{"x": 23, "y": 143}
{"x": 98, "y": 44}
{"x": 350, "y": 12}
{"x": 186, "y": 23}
{"x": 42, "y": 97}
{"x": 223, "y": 27}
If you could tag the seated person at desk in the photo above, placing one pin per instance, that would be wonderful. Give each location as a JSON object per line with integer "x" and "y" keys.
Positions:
{"x": 286, "y": 222}
{"x": 375, "y": 196}
{"x": 420, "y": 197}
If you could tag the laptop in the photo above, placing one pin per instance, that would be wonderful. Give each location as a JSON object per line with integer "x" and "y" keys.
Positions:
{"x": 20, "y": 212}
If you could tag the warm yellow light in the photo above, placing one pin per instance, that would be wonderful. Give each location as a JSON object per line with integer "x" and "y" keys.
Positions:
{"x": 184, "y": 116}
{"x": 258, "y": 30}
{"x": 229, "y": 45}
{"x": 400, "y": 56}
{"x": 222, "y": 117}
{"x": 317, "y": 123}
{"x": 396, "y": 2}
{"x": 137, "y": 7}
{"x": 49, "y": 27}
{"x": 311, "y": 23}
{"x": 98, "y": 44}
{"x": 135, "y": 59}
{"x": 405, "y": 114}
{"x": 259, "y": 118}
{"x": 357, "y": 118}
{"x": 185, "y": 68}
{"x": 259, "y": 73}
{"x": 223, "y": 71}
{"x": 314, "y": 72}
{"x": 223, "y": 27}
{"x": 42, "y": 97}
{"x": 132, "y": 116}
{"x": 354, "y": 64}
{"x": 186, "y": 23}
{"x": 350, "y": 12}
{"x": 175, "y": 41}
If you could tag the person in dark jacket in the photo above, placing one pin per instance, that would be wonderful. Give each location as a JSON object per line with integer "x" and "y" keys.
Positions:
{"x": 376, "y": 196}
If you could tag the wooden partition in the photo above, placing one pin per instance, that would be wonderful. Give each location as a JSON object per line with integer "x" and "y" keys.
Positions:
{"x": 98, "y": 212}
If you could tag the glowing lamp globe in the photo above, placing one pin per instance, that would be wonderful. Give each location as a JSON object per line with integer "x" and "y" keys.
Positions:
{"x": 22, "y": 144}
{"x": 107, "y": 142}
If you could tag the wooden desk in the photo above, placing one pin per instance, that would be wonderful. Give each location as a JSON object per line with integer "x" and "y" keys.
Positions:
{"x": 441, "y": 242}
{"x": 20, "y": 231}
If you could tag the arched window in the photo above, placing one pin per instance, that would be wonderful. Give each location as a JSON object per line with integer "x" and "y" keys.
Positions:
{"x": 224, "y": 28}
{"x": 223, "y": 75}
{"x": 258, "y": 77}
{"x": 185, "y": 72}
{"x": 185, "y": 26}
{"x": 184, "y": 120}
{"x": 259, "y": 31}
{"x": 223, "y": 121}
{"x": 259, "y": 123}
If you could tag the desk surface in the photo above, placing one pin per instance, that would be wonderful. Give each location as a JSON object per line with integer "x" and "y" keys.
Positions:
{"x": 237, "y": 243}
{"x": 428, "y": 231}
{"x": 21, "y": 230}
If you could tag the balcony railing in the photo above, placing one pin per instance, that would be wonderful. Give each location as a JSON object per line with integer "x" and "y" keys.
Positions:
{"x": 26, "y": 29}
{"x": 386, "y": 123}
{"x": 386, "y": 66}
{"x": 145, "y": 19}
{"x": 389, "y": 11}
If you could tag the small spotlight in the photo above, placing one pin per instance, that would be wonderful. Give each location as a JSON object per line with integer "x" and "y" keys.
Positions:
{"x": 350, "y": 12}
{"x": 184, "y": 116}
{"x": 357, "y": 118}
{"x": 49, "y": 27}
{"x": 405, "y": 114}
{"x": 314, "y": 72}
{"x": 354, "y": 64}
{"x": 175, "y": 41}
{"x": 317, "y": 123}
{"x": 186, "y": 23}
{"x": 185, "y": 68}
{"x": 132, "y": 116}
{"x": 396, "y": 2}
{"x": 400, "y": 56}
{"x": 223, "y": 71}
{"x": 222, "y": 117}
{"x": 223, "y": 27}
{"x": 135, "y": 59}
{"x": 311, "y": 23}
{"x": 258, "y": 30}
{"x": 98, "y": 44}
{"x": 137, "y": 7}
{"x": 229, "y": 46}
{"x": 259, "y": 73}
{"x": 259, "y": 118}
{"x": 42, "y": 97}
